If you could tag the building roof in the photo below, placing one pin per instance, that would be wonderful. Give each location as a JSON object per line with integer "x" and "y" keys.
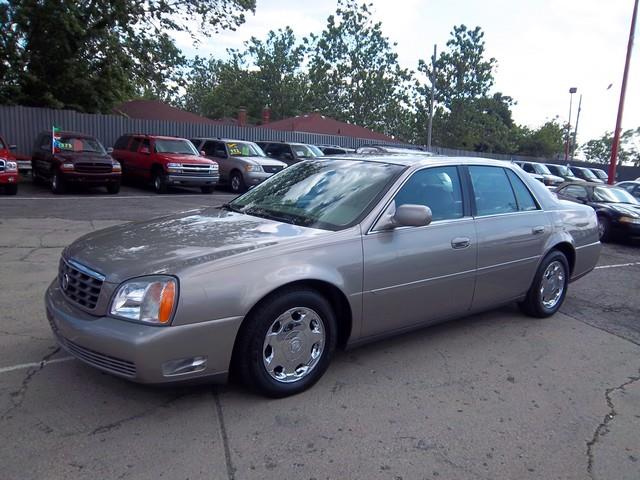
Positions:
{"x": 318, "y": 123}
{"x": 156, "y": 110}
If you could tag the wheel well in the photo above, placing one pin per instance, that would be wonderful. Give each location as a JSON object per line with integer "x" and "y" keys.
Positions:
{"x": 569, "y": 252}
{"x": 333, "y": 294}
{"x": 235, "y": 170}
{"x": 155, "y": 167}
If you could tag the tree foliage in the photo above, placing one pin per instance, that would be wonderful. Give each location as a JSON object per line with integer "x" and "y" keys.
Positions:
{"x": 90, "y": 55}
{"x": 599, "y": 149}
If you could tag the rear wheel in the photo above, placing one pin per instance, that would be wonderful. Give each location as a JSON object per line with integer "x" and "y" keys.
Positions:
{"x": 11, "y": 189}
{"x": 549, "y": 287}
{"x": 237, "y": 182}
{"x": 113, "y": 188}
{"x": 207, "y": 189}
{"x": 159, "y": 182}
{"x": 286, "y": 344}
{"x": 57, "y": 183}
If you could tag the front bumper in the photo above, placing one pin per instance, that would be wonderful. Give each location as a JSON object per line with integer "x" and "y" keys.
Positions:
{"x": 138, "y": 352}
{"x": 8, "y": 178}
{"x": 627, "y": 229}
{"x": 192, "y": 180}
{"x": 255, "y": 178}
{"x": 91, "y": 178}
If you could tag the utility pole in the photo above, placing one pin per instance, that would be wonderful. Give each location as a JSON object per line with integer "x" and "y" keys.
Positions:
{"x": 575, "y": 132}
{"x": 623, "y": 91}
{"x": 572, "y": 90}
{"x": 433, "y": 88}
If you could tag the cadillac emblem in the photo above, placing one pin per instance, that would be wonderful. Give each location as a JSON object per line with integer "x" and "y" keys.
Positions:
{"x": 65, "y": 282}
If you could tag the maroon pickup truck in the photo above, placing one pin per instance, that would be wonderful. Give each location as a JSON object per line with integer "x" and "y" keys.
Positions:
{"x": 165, "y": 161}
{"x": 75, "y": 158}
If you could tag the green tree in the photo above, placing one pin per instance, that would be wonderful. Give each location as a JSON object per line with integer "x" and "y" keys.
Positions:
{"x": 462, "y": 71}
{"x": 546, "y": 141}
{"x": 90, "y": 55}
{"x": 599, "y": 149}
{"x": 354, "y": 72}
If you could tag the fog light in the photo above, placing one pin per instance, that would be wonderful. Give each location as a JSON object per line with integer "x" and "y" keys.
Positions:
{"x": 183, "y": 366}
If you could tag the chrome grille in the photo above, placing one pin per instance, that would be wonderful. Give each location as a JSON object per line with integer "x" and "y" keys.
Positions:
{"x": 272, "y": 168}
{"x": 92, "y": 167}
{"x": 79, "y": 283}
{"x": 186, "y": 168}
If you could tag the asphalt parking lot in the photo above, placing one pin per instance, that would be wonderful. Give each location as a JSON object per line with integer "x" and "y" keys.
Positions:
{"x": 492, "y": 396}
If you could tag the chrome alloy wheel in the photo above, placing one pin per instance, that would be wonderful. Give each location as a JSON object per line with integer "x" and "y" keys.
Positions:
{"x": 235, "y": 183}
{"x": 552, "y": 285}
{"x": 293, "y": 345}
{"x": 601, "y": 227}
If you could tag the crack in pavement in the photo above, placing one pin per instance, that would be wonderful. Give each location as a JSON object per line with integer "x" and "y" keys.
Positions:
{"x": 231, "y": 471}
{"x": 17, "y": 397}
{"x": 118, "y": 423}
{"x": 603, "y": 428}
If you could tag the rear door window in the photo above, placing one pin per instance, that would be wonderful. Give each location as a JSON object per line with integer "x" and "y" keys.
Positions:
{"x": 492, "y": 190}
{"x": 575, "y": 191}
{"x": 525, "y": 199}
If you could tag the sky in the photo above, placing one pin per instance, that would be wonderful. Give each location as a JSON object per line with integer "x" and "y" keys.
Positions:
{"x": 543, "y": 47}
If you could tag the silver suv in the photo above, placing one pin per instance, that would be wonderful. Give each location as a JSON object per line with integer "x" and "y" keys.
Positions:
{"x": 242, "y": 164}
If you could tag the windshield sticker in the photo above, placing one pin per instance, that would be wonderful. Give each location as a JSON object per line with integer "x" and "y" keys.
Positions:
{"x": 234, "y": 149}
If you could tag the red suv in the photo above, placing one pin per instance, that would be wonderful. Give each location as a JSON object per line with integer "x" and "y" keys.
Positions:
{"x": 164, "y": 161}
{"x": 8, "y": 169}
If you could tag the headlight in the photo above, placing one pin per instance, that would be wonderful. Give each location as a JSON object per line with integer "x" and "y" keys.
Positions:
{"x": 116, "y": 167}
{"x": 630, "y": 220}
{"x": 253, "y": 168}
{"x": 11, "y": 167}
{"x": 149, "y": 299}
{"x": 174, "y": 167}
{"x": 213, "y": 167}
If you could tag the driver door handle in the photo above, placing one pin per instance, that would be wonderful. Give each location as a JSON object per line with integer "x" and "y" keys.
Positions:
{"x": 537, "y": 230}
{"x": 460, "y": 242}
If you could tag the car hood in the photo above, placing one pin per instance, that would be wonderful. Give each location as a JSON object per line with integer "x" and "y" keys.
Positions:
{"x": 84, "y": 157}
{"x": 264, "y": 161}
{"x": 622, "y": 208}
{"x": 173, "y": 243}
{"x": 178, "y": 158}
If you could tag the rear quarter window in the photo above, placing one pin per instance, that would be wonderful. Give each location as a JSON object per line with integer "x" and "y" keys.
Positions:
{"x": 121, "y": 143}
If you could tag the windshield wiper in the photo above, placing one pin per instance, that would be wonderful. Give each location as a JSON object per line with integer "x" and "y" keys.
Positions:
{"x": 277, "y": 216}
{"x": 231, "y": 208}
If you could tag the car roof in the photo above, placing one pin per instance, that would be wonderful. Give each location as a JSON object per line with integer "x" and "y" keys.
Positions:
{"x": 218, "y": 139}
{"x": 586, "y": 184}
{"x": 69, "y": 133}
{"x": 148, "y": 135}
{"x": 409, "y": 159}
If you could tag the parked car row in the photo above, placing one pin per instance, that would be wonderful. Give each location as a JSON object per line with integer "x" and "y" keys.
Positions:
{"x": 553, "y": 175}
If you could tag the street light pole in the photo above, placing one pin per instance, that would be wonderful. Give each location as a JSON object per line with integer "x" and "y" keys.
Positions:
{"x": 572, "y": 90}
{"x": 623, "y": 90}
{"x": 433, "y": 88}
{"x": 575, "y": 132}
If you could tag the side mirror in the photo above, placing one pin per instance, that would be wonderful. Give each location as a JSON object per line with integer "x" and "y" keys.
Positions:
{"x": 13, "y": 147}
{"x": 406, "y": 215}
{"x": 110, "y": 150}
{"x": 202, "y": 153}
{"x": 145, "y": 150}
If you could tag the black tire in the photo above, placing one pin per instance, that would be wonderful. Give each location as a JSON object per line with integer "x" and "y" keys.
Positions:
{"x": 113, "y": 188}
{"x": 604, "y": 228}
{"x": 11, "y": 189}
{"x": 57, "y": 183}
{"x": 533, "y": 304}
{"x": 207, "y": 190}
{"x": 236, "y": 182}
{"x": 159, "y": 182}
{"x": 249, "y": 352}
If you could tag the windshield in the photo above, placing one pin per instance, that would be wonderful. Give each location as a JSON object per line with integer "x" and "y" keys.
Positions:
{"x": 613, "y": 195}
{"x": 563, "y": 171}
{"x": 541, "y": 169}
{"x": 183, "y": 147}
{"x": 601, "y": 174}
{"x": 2, "y": 145}
{"x": 302, "y": 151}
{"x": 79, "y": 144}
{"x": 327, "y": 194}
{"x": 316, "y": 151}
{"x": 244, "y": 149}
{"x": 588, "y": 173}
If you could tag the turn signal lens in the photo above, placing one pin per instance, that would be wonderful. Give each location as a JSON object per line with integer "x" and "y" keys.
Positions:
{"x": 167, "y": 300}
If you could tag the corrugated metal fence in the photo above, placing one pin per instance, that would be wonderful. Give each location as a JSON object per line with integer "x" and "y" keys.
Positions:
{"x": 20, "y": 126}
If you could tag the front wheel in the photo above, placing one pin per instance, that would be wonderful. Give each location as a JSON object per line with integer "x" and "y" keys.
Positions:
{"x": 57, "y": 183}
{"x": 549, "y": 287}
{"x": 159, "y": 182}
{"x": 604, "y": 228}
{"x": 237, "y": 183}
{"x": 113, "y": 188}
{"x": 11, "y": 189}
{"x": 286, "y": 344}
